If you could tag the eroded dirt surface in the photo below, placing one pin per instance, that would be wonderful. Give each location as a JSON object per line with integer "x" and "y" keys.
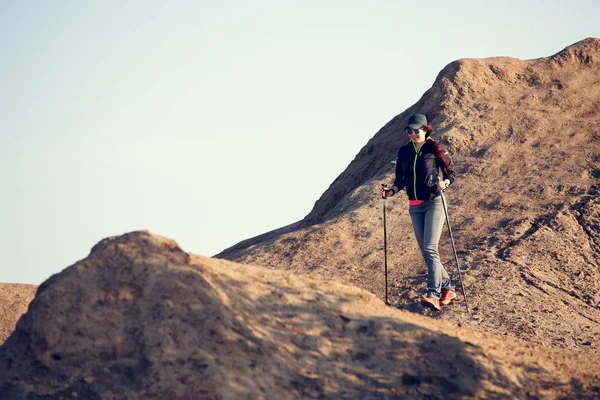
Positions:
{"x": 139, "y": 318}
{"x": 14, "y": 300}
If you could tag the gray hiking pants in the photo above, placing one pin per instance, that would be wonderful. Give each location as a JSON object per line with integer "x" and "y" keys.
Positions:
{"x": 428, "y": 221}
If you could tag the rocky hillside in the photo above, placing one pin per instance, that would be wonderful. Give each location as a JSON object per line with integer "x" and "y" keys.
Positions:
{"x": 141, "y": 319}
{"x": 14, "y": 300}
{"x": 525, "y": 211}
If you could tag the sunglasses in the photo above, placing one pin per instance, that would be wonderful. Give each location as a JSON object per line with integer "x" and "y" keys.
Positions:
{"x": 410, "y": 130}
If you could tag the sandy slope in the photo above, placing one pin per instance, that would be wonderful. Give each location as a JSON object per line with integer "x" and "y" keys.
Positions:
{"x": 524, "y": 135}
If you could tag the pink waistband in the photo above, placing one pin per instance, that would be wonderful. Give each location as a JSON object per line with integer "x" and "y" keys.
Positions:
{"x": 415, "y": 202}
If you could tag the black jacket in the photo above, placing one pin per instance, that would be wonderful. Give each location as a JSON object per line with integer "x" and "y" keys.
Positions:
{"x": 419, "y": 173}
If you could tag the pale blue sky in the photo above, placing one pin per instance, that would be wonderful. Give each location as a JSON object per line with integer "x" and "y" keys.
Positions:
{"x": 186, "y": 117}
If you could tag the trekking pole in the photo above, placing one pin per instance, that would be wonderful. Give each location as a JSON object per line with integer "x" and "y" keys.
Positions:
{"x": 454, "y": 249}
{"x": 383, "y": 189}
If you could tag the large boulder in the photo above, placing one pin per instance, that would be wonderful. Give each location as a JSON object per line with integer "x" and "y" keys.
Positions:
{"x": 140, "y": 318}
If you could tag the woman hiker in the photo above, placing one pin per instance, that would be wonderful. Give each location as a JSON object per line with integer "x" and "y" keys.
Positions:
{"x": 417, "y": 169}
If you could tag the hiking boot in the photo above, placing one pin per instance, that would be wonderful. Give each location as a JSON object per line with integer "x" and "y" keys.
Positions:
{"x": 447, "y": 296}
{"x": 431, "y": 302}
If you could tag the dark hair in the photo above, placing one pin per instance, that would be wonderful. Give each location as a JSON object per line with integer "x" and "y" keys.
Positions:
{"x": 437, "y": 149}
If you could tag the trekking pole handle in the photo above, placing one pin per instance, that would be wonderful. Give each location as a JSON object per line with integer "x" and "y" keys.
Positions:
{"x": 437, "y": 181}
{"x": 384, "y": 187}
